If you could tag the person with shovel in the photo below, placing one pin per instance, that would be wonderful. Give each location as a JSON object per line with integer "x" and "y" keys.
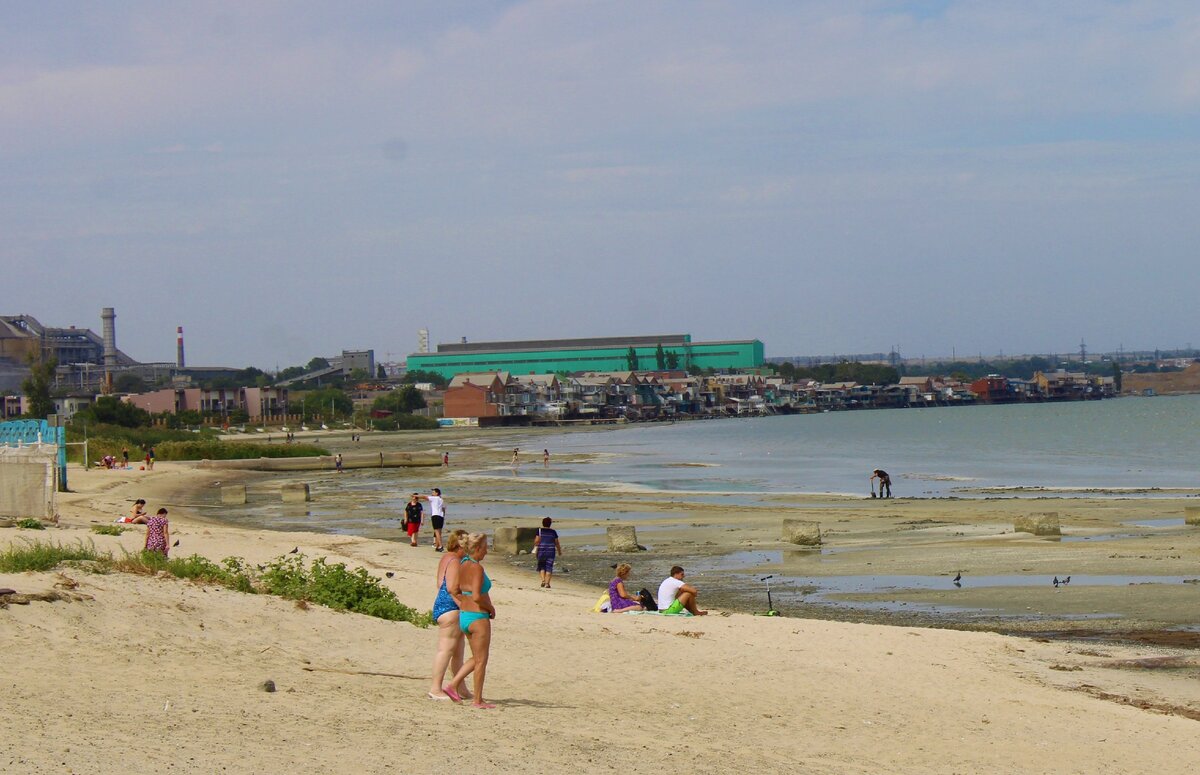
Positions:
{"x": 885, "y": 481}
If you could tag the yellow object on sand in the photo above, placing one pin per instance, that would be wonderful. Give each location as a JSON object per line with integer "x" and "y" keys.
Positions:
{"x": 599, "y": 606}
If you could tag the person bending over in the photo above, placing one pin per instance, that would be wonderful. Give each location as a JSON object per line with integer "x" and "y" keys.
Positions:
{"x": 885, "y": 482}
{"x": 674, "y": 596}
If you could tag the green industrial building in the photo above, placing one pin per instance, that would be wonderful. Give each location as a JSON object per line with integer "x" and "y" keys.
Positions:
{"x": 576, "y": 355}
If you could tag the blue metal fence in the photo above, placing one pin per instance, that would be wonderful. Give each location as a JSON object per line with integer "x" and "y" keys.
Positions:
{"x": 21, "y": 433}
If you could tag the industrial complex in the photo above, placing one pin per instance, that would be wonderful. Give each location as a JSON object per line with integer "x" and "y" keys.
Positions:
{"x": 630, "y": 353}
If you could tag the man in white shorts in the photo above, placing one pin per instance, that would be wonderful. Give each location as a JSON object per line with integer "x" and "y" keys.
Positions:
{"x": 675, "y": 597}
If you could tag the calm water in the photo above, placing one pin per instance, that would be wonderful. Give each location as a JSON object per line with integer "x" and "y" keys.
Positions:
{"x": 1120, "y": 443}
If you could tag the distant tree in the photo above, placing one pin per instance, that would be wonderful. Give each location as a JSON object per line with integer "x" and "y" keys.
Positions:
{"x": 110, "y": 410}
{"x": 402, "y": 401}
{"x": 1116, "y": 374}
{"x": 129, "y": 383}
{"x": 632, "y": 358}
{"x": 660, "y": 357}
{"x": 380, "y": 372}
{"x": 317, "y": 363}
{"x": 420, "y": 375}
{"x": 248, "y": 376}
{"x": 672, "y": 360}
{"x": 320, "y": 402}
{"x": 358, "y": 376}
{"x": 38, "y": 385}
{"x": 291, "y": 372}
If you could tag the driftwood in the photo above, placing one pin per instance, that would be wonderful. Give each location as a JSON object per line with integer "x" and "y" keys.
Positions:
{"x": 8, "y": 596}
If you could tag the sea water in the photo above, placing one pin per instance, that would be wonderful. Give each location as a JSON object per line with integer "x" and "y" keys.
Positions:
{"x": 1126, "y": 443}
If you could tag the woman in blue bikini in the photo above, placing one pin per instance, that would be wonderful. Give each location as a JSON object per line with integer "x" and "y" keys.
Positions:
{"x": 475, "y": 616}
{"x": 445, "y": 613}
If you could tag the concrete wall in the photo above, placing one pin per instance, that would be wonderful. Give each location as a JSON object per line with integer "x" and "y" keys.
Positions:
{"x": 27, "y": 485}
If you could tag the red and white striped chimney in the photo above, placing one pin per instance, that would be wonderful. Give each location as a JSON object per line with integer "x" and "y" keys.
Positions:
{"x": 179, "y": 347}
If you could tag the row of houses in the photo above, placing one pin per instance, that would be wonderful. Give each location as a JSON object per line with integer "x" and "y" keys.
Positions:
{"x": 264, "y": 404}
{"x": 500, "y": 397}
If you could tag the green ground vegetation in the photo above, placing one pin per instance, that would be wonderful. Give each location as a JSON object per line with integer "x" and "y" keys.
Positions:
{"x": 293, "y": 577}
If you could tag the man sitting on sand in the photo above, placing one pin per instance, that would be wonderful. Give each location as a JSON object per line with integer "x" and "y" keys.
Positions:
{"x": 675, "y": 597}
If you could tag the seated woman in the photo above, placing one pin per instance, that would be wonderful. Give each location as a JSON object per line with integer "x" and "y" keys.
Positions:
{"x": 619, "y": 599}
{"x": 137, "y": 514}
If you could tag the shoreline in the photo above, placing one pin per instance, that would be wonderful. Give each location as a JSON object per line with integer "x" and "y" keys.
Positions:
{"x": 730, "y": 545}
{"x": 350, "y": 687}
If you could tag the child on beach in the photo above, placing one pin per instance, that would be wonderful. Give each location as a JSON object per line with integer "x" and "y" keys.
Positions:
{"x": 158, "y": 533}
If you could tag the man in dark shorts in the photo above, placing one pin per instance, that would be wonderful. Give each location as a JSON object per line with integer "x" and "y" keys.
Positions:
{"x": 885, "y": 481}
{"x": 412, "y": 517}
{"x": 437, "y": 516}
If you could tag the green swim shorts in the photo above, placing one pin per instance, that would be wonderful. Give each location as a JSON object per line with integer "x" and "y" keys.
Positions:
{"x": 676, "y": 607}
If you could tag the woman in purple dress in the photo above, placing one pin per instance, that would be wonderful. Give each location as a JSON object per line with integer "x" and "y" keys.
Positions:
{"x": 158, "y": 533}
{"x": 619, "y": 600}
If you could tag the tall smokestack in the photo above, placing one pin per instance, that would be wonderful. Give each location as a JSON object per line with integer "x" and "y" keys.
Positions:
{"x": 110, "y": 339}
{"x": 179, "y": 347}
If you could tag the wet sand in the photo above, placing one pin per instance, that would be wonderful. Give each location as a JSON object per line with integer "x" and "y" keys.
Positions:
{"x": 884, "y": 561}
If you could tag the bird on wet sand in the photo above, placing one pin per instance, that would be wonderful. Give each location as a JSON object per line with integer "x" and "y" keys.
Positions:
{"x": 294, "y": 550}
{"x": 1056, "y": 582}
{"x": 958, "y": 579}
{"x": 389, "y": 574}
{"x": 1067, "y": 580}
{"x": 176, "y": 542}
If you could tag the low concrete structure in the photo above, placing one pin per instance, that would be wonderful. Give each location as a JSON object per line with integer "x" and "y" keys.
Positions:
{"x": 325, "y": 462}
{"x": 514, "y": 540}
{"x": 295, "y": 492}
{"x": 1043, "y": 524}
{"x": 802, "y": 532}
{"x": 623, "y": 538}
{"x": 233, "y": 494}
{"x": 1191, "y": 515}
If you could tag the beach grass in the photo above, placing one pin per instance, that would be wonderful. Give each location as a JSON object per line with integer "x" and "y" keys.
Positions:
{"x": 108, "y": 530}
{"x": 29, "y": 523}
{"x": 291, "y": 577}
{"x": 44, "y": 556}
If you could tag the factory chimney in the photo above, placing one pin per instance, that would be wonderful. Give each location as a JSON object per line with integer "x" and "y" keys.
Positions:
{"x": 179, "y": 347}
{"x": 109, "y": 318}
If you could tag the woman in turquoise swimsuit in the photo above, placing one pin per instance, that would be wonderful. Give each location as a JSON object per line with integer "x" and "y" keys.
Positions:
{"x": 445, "y": 613}
{"x": 475, "y": 616}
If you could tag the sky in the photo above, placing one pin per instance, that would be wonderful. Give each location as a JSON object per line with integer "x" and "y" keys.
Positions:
{"x": 291, "y": 179}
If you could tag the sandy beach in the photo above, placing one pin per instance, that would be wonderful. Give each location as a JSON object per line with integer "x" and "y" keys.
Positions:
{"x": 145, "y": 674}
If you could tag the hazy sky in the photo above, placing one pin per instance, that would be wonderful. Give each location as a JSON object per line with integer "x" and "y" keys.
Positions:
{"x": 289, "y": 179}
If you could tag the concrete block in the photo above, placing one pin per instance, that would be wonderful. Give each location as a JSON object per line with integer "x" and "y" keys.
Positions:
{"x": 233, "y": 494}
{"x": 1191, "y": 515}
{"x": 514, "y": 540}
{"x": 623, "y": 538}
{"x": 1042, "y": 524}
{"x": 295, "y": 492}
{"x": 802, "y": 532}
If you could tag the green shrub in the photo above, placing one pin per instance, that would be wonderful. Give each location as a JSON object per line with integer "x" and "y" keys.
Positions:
{"x": 212, "y": 449}
{"x": 405, "y": 422}
{"x": 337, "y": 587}
{"x": 38, "y": 556}
{"x": 29, "y": 523}
{"x": 108, "y": 530}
